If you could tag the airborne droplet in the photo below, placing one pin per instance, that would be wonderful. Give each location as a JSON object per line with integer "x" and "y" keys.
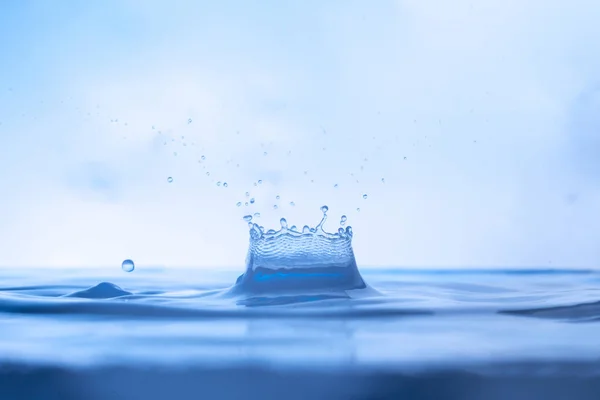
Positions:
{"x": 324, "y": 209}
{"x": 128, "y": 266}
{"x": 170, "y": 179}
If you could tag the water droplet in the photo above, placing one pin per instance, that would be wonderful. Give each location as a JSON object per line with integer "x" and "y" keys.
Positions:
{"x": 207, "y": 173}
{"x": 128, "y": 266}
{"x": 349, "y": 230}
{"x": 265, "y": 153}
{"x": 365, "y": 196}
{"x": 257, "y": 215}
{"x": 247, "y": 194}
{"x": 170, "y": 179}
{"x": 260, "y": 181}
{"x": 248, "y": 218}
{"x": 405, "y": 158}
{"x": 252, "y": 200}
{"x": 292, "y": 203}
{"x": 175, "y": 153}
{"x": 324, "y": 209}
{"x": 283, "y": 223}
{"x": 275, "y": 207}
{"x": 239, "y": 204}
{"x": 246, "y": 204}
{"x": 203, "y": 158}
{"x": 341, "y": 231}
{"x": 343, "y": 220}
{"x": 335, "y": 186}
{"x": 306, "y": 229}
{"x": 189, "y": 120}
{"x": 358, "y": 209}
{"x": 382, "y": 180}
{"x": 225, "y": 184}
{"x": 152, "y": 126}
{"x": 255, "y": 184}
{"x": 278, "y": 197}
{"x": 219, "y": 183}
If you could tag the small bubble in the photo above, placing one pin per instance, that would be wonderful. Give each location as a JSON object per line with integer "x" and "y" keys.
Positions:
{"x": 283, "y": 223}
{"x": 189, "y": 120}
{"x": 248, "y": 218}
{"x": 128, "y": 266}
{"x": 239, "y": 204}
{"x": 278, "y": 197}
{"x": 219, "y": 183}
{"x": 257, "y": 215}
{"x": 252, "y": 200}
{"x": 170, "y": 179}
{"x": 324, "y": 209}
{"x": 225, "y": 184}
{"x": 260, "y": 181}
{"x": 365, "y": 196}
{"x": 292, "y": 203}
{"x": 275, "y": 206}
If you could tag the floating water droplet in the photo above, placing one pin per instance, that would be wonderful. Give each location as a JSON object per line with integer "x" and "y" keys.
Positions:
{"x": 260, "y": 181}
{"x": 128, "y": 266}
{"x": 324, "y": 209}
{"x": 247, "y": 194}
{"x": 265, "y": 153}
{"x": 358, "y": 209}
{"x": 255, "y": 184}
{"x": 248, "y": 218}
{"x": 239, "y": 204}
{"x": 335, "y": 186}
{"x": 382, "y": 180}
{"x": 252, "y": 200}
{"x": 365, "y": 196}
{"x": 203, "y": 158}
{"x": 246, "y": 204}
{"x": 189, "y": 120}
{"x": 175, "y": 153}
{"x": 275, "y": 206}
{"x": 207, "y": 173}
{"x": 292, "y": 203}
{"x": 225, "y": 184}
{"x": 405, "y": 158}
{"x": 343, "y": 220}
{"x": 283, "y": 223}
{"x": 277, "y": 197}
{"x": 257, "y": 215}
{"x": 170, "y": 179}
{"x": 219, "y": 183}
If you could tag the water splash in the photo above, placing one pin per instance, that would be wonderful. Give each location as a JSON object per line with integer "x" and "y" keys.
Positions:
{"x": 289, "y": 261}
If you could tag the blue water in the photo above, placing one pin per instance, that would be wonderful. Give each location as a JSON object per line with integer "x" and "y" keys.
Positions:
{"x": 299, "y": 320}
{"x": 504, "y": 333}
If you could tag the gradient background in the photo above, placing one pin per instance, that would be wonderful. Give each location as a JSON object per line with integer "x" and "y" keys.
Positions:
{"x": 495, "y": 105}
